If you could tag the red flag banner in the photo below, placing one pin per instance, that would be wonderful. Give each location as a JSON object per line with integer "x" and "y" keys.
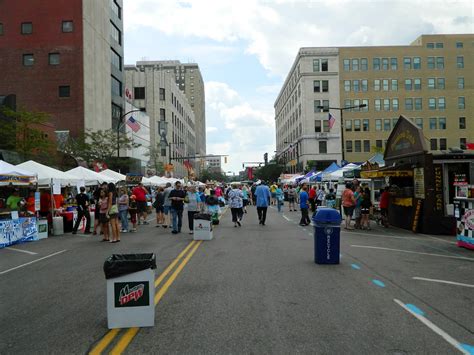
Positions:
{"x": 470, "y": 146}
{"x": 250, "y": 173}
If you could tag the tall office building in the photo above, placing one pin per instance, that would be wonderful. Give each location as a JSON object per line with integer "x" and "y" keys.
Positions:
{"x": 429, "y": 81}
{"x": 64, "y": 58}
{"x": 171, "y": 116}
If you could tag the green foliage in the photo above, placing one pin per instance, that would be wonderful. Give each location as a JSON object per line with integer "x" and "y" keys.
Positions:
{"x": 211, "y": 175}
{"x": 376, "y": 149}
{"x": 269, "y": 172}
{"x": 21, "y": 131}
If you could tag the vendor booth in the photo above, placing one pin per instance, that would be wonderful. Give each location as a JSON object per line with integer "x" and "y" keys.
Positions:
{"x": 422, "y": 191}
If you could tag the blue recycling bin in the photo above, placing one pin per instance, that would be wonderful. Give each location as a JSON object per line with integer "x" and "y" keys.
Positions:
{"x": 327, "y": 230}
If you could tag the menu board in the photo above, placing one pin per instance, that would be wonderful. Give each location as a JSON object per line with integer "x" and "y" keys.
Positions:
{"x": 419, "y": 182}
{"x": 460, "y": 180}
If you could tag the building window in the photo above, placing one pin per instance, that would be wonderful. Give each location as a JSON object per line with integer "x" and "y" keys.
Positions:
{"x": 433, "y": 123}
{"x": 460, "y": 62}
{"x": 323, "y": 149}
{"x": 432, "y": 103}
{"x": 419, "y": 122}
{"x": 376, "y": 85}
{"x": 364, "y": 64}
{"x": 366, "y": 146}
{"x": 442, "y": 144}
{"x": 460, "y": 83}
{"x": 431, "y": 83}
{"x": 346, "y": 64}
{"x": 439, "y": 45}
{"x": 317, "y": 126}
{"x": 433, "y": 144}
{"x": 416, "y": 63}
{"x": 430, "y": 45}
{"x": 356, "y": 86}
{"x": 409, "y": 104}
{"x": 439, "y": 62}
{"x": 376, "y": 63}
{"x": 163, "y": 114}
{"x": 459, "y": 45}
{"x": 315, "y": 65}
{"x": 115, "y": 33}
{"x": 386, "y": 104}
{"x": 349, "y": 146}
{"x": 325, "y": 105}
{"x": 417, "y": 84}
{"x": 325, "y": 126}
{"x": 139, "y": 93}
{"x": 440, "y": 83}
{"x": 356, "y": 125}
{"x": 393, "y": 63}
{"x": 418, "y": 103}
{"x": 162, "y": 94}
{"x": 26, "y": 28}
{"x": 325, "y": 85}
{"x": 116, "y": 59}
{"x": 441, "y": 103}
{"x": 461, "y": 103}
{"x": 348, "y": 126}
{"x": 116, "y": 9}
{"x": 64, "y": 91}
{"x": 378, "y": 124}
{"x": 355, "y": 64}
{"x": 356, "y": 103}
{"x": 385, "y": 84}
{"x": 1, "y": 29}
{"x": 364, "y": 85}
{"x": 384, "y": 63}
{"x": 347, "y": 85}
{"x": 67, "y": 26}
{"x": 366, "y": 107}
{"x": 378, "y": 104}
{"x": 442, "y": 123}
{"x": 357, "y": 146}
{"x": 394, "y": 85}
{"x": 116, "y": 87}
{"x": 462, "y": 143}
{"x": 316, "y": 104}
{"x": 430, "y": 62}
{"x": 28, "y": 60}
{"x": 324, "y": 65}
{"x": 394, "y": 104}
{"x": 347, "y": 103}
{"x": 378, "y": 143}
{"x": 408, "y": 84}
{"x": 407, "y": 63}
{"x": 53, "y": 58}
{"x": 365, "y": 125}
{"x": 387, "y": 124}
{"x": 462, "y": 122}
{"x": 316, "y": 86}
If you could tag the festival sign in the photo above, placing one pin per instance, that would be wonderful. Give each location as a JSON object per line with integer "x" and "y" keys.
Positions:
{"x": 18, "y": 231}
{"x": 406, "y": 139}
{"x": 133, "y": 178}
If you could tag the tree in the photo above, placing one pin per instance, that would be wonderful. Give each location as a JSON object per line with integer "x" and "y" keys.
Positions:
{"x": 211, "y": 175}
{"x": 22, "y": 132}
{"x": 269, "y": 172}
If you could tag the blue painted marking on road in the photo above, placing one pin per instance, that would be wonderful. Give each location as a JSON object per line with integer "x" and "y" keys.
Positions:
{"x": 468, "y": 348}
{"x": 415, "y": 309}
{"x": 355, "y": 266}
{"x": 378, "y": 283}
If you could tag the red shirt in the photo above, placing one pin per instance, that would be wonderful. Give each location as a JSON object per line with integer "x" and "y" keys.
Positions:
{"x": 45, "y": 202}
{"x": 30, "y": 204}
{"x": 312, "y": 193}
{"x": 384, "y": 199}
{"x": 139, "y": 193}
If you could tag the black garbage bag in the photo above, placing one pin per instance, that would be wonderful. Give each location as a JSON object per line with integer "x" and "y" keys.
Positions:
{"x": 204, "y": 216}
{"x": 122, "y": 264}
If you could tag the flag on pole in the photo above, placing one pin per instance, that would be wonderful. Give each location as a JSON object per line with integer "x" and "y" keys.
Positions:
{"x": 332, "y": 120}
{"x": 470, "y": 146}
{"x": 133, "y": 124}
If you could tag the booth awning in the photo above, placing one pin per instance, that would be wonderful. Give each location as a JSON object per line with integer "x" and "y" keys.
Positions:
{"x": 384, "y": 172}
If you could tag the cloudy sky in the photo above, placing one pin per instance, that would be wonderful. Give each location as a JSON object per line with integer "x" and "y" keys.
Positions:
{"x": 245, "y": 49}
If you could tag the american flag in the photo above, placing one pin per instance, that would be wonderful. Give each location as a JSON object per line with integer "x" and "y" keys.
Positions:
{"x": 133, "y": 124}
{"x": 332, "y": 120}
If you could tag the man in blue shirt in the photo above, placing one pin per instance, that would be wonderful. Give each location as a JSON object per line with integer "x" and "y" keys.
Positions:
{"x": 304, "y": 197}
{"x": 263, "y": 196}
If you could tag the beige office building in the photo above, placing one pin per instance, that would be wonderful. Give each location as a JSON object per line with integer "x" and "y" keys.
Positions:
{"x": 429, "y": 81}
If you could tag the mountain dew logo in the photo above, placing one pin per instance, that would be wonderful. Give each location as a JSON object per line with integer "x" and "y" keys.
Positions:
{"x": 131, "y": 294}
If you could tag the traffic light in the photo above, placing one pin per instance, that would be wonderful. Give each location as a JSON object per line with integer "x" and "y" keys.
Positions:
{"x": 265, "y": 158}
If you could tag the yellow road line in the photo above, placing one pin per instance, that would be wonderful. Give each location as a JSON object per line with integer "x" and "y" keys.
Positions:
{"x": 175, "y": 274}
{"x": 105, "y": 341}
{"x": 124, "y": 341}
{"x": 131, "y": 332}
{"x": 173, "y": 264}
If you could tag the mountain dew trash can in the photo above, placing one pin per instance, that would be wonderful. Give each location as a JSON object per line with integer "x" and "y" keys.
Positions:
{"x": 327, "y": 230}
{"x": 130, "y": 290}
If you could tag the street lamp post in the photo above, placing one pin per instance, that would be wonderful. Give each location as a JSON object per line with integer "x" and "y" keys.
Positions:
{"x": 120, "y": 125}
{"x": 341, "y": 110}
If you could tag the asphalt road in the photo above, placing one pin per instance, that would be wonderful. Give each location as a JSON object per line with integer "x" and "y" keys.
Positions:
{"x": 254, "y": 289}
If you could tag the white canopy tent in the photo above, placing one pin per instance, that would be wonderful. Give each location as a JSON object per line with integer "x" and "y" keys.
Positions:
{"x": 158, "y": 181}
{"x": 88, "y": 176}
{"x": 146, "y": 181}
{"x": 46, "y": 175}
{"x": 9, "y": 173}
{"x": 335, "y": 175}
{"x": 112, "y": 174}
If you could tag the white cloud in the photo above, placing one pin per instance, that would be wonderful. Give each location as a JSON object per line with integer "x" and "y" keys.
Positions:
{"x": 211, "y": 129}
{"x": 274, "y": 30}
